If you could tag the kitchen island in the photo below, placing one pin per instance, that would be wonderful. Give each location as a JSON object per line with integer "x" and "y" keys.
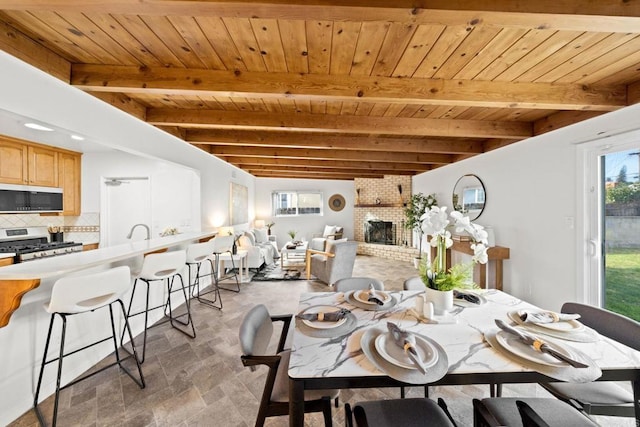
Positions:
{"x": 26, "y": 286}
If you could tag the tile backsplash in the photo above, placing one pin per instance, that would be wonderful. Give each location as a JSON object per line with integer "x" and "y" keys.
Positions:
{"x": 84, "y": 228}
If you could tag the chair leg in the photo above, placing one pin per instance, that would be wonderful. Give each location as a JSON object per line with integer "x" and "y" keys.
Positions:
{"x": 402, "y": 392}
{"x": 188, "y": 313}
{"x": 348, "y": 415}
{"x": 215, "y": 291}
{"x": 326, "y": 411}
{"x": 140, "y": 382}
{"x": 44, "y": 362}
{"x": 234, "y": 275}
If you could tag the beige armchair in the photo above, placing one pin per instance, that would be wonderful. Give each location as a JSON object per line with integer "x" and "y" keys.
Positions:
{"x": 319, "y": 240}
{"x": 334, "y": 263}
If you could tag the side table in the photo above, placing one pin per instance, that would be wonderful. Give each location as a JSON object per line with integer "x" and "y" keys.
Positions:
{"x": 240, "y": 261}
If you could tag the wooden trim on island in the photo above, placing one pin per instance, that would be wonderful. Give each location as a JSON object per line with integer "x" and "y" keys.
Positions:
{"x": 11, "y": 292}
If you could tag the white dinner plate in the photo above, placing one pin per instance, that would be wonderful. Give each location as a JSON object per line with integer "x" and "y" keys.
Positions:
{"x": 513, "y": 344}
{"x": 392, "y": 353}
{"x": 324, "y": 324}
{"x": 464, "y": 303}
{"x": 363, "y": 296}
{"x": 562, "y": 326}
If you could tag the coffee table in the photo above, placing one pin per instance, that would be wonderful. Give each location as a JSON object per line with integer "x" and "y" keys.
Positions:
{"x": 293, "y": 257}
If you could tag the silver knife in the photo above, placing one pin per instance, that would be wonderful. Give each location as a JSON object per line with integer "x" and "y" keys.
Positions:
{"x": 407, "y": 341}
{"x": 545, "y": 348}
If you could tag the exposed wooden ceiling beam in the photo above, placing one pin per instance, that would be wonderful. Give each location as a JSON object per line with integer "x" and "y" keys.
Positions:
{"x": 329, "y": 164}
{"x": 561, "y": 119}
{"x": 364, "y": 156}
{"x": 633, "y": 93}
{"x": 307, "y": 175}
{"x": 326, "y": 171}
{"x": 335, "y": 123}
{"x": 602, "y": 15}
{"x": 22, "y": 47}
{"x": 342, "y": 142}
{"x": 123, "y": 102}
{"x": 467, "y": 93}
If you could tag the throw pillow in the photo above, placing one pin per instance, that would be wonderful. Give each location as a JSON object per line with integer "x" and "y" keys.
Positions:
{"x": 261, "y": 235}
{"x": 328, "y": 230}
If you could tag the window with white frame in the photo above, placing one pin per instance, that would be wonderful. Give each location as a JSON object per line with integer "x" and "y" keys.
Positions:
{"x": 292, "y": 203}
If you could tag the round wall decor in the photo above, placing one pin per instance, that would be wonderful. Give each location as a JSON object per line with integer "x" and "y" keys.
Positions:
{"x": 336, "y": 202}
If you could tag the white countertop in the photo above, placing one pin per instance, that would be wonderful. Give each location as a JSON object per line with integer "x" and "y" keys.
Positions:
{"x": 60, "y": 265}
{"x": 7, "y": 255}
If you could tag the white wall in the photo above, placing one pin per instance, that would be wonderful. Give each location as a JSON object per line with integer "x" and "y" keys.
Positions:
{"x": 305, "y": 226}
{"x": 175, "y": 190}
{"x": 533, "y": 193}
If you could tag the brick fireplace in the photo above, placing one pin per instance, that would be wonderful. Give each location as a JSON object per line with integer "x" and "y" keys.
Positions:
{"x": 379, "y": 209}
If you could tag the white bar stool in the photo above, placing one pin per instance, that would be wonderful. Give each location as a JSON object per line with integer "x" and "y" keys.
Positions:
{"x": 197, "y": 253}
{"x": 221, "y": 245}
{"x": 82, "y": 294}
{"x": 163, "y": 267}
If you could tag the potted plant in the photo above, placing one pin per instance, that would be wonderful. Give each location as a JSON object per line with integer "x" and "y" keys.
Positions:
{"x": 417, "y": 205}
{"x": 269, "y": 225}
{"x": 439, "y": 281}
{"x": 292, "y": 234}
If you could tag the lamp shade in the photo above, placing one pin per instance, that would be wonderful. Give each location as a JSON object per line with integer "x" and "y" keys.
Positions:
{"x": 258, "y": 223}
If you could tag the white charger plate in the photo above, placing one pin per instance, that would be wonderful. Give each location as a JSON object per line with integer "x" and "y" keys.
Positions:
{"x": 513, "y": 344}
{"x": 324, "y": 324}
{"x": 392, "y": 353}
{"x": 363, "y": 296}
{"x": 562, "y": 326}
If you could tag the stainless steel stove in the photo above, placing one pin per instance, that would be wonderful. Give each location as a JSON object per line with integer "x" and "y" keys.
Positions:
{"x": 31, "y": 243}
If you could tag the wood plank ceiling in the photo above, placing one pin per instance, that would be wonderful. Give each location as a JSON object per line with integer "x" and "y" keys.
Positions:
{"x": 339, "y": 89}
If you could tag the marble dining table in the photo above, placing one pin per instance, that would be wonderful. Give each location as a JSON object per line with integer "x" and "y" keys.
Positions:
{"x": 319, "y": 361}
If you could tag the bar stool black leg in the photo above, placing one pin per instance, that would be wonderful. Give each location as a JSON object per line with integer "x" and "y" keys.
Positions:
{"x": 215, "y": 288}
{"x": 234, "y": 274}
{"x": 140, "y": 382}
{"x": 44, "y": 362}
{"x": 188, "y": 313}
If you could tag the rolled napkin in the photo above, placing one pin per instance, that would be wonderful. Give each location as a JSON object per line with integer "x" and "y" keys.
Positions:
{"x": 546, "y": 317}
{"x": 373, "y": 296}
{"x": 407, "y": 342}
{"x": 332, "y": 316}
{"x": 474, "y": 299}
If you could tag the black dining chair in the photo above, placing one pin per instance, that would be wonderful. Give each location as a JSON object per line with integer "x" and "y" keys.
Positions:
{"x": 255, "y": 335}
{"x": 399, "y": 412}
{"x": 602, "y": 397}
{"x": 530, "y": 412}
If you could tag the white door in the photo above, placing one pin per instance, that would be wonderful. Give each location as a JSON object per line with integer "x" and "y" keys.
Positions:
{"x": 125, "y": 202}
{"x": 613, "y": 226}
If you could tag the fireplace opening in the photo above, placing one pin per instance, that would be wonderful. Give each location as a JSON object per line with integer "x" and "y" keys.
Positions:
{"x": 380, "y": 232}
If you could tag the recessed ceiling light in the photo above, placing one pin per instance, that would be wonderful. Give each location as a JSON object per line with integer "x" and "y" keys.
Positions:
{"x": 38, "y": 127}
{"x": 77, "y": 137}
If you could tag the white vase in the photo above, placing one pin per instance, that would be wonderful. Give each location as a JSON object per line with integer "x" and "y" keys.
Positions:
{"x": 442, "y": 300}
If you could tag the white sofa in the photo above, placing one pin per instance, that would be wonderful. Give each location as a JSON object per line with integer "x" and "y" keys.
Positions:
{"x": 259, "y": 249}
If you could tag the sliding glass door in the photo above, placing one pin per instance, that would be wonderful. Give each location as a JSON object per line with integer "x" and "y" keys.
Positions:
{"x": 614, "y": 227}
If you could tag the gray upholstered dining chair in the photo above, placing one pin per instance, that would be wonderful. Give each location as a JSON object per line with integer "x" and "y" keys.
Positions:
{"x": 536, "y": 412}
{"x": 255, "y": 336}
{"x": 334, "y": 263}
{"x": 602, "y": 397}
{"x": 399, "y": 412}
{"x": 413, "y": 284}
{"x": 357, "y": 283}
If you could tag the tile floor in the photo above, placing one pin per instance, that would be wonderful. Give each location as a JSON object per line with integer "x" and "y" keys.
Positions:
{"x": 201, "y": 382}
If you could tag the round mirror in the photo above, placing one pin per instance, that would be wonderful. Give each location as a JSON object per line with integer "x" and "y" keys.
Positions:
{"x": 469, "y": 196}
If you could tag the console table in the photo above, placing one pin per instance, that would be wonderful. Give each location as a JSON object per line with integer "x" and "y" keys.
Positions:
{"x": 496, "y": 254}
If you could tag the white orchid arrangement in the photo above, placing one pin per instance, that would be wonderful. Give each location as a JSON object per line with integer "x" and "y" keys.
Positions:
{"x": 436, "y": 224}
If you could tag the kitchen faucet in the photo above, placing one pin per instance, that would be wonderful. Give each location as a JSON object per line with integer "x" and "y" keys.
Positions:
{"x": 134, "y": 227}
